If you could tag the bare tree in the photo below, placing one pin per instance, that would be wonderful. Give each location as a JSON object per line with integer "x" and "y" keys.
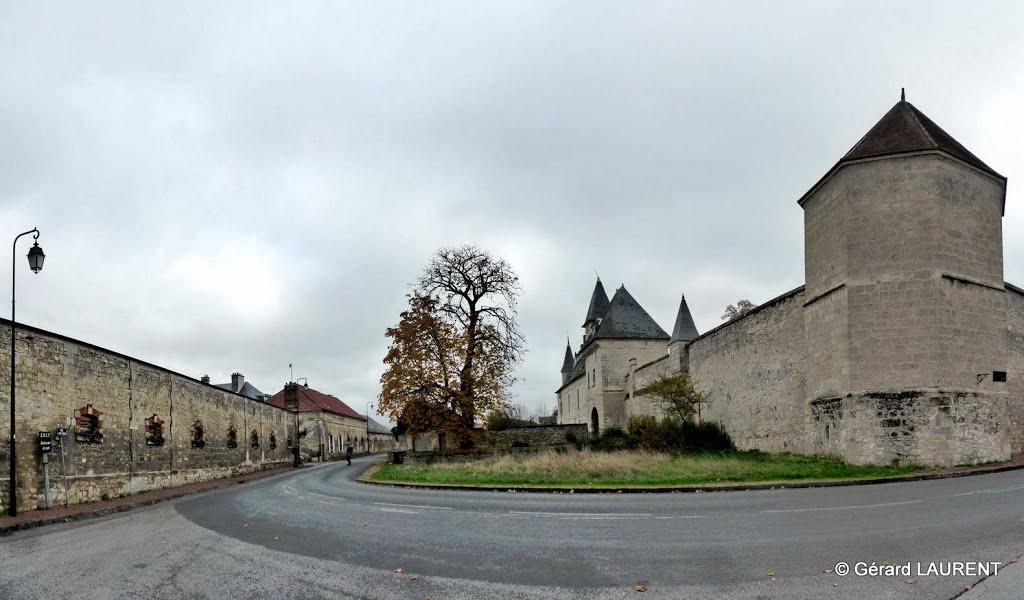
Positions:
{"x": 479, "y": 292}
{"x": 741, "y": 308}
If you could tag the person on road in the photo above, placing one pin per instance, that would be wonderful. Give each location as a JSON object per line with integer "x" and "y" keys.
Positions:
{"x": 348, "y": 451}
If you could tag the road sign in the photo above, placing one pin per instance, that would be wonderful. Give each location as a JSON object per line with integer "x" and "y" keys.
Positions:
{"x": 45, "y": 441}
{"x": 62, "y": 432}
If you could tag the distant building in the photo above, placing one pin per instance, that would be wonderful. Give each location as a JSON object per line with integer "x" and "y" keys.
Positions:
{"x": 329, "y": 424}
{"x": 239, "y": 385}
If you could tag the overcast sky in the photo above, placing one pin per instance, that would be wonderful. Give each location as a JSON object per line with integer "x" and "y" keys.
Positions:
{"x": 241, "y": 187}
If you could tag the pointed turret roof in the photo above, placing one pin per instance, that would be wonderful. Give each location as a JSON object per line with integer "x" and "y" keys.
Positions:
{"x": 569, "y": 361}
{"x": 684, "y": 330}
{"x": 598, "y": 303}
{"x": 626, "y": 319}
{"x": 901, "y": 130}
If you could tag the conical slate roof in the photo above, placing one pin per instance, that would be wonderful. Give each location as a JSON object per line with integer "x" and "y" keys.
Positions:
{"x": 901, "y": 130}
{"x": 598, "y": 303}
{"x": 626, "y": 319}
{"x": 684, "y": 330}
{"x": 906, "y": 129}
{"x": 568, "y": 363}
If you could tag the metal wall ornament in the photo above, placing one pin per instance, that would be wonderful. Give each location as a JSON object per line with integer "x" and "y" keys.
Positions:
{"x": 88, "y": 426}
{"x": 198, "y": 435}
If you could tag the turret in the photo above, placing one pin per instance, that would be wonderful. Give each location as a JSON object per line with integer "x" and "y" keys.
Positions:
{"x": 683, "y": 332}
{"x": 568, "y": 363}
{"x": 597, "y": 309}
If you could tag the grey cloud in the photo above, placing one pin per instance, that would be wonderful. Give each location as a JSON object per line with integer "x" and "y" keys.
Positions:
{"x": 315, "y": 156}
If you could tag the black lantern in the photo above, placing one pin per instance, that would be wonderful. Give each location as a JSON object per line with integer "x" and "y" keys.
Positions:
{"x": 35, "y": 258}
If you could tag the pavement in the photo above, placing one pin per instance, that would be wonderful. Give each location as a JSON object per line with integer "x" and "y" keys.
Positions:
{"x": 316, "y": 533}
{"x": 1007, "y": 585}
{"x": 27, "y": 519}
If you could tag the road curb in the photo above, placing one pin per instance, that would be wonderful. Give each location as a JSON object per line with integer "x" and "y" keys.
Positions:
{"x": 690, "y": 489}
{"x": 8, "y": 528}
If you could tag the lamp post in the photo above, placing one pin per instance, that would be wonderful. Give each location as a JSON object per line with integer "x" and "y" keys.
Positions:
{"x": 368, "y": 407}
{"x": 35, "y": 262}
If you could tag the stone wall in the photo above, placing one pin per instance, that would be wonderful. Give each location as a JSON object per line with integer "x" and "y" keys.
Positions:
{"x": 1015, "y": 366}
{"x": 914, "y": 427}
{"x": 753, "y": 372}
{"x": 537, "y": 435}
{"x": 62, "y": 381}
{"x": 487, "y": 441}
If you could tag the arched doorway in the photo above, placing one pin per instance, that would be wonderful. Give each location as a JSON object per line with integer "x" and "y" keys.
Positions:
{"x": 594, "y": 424}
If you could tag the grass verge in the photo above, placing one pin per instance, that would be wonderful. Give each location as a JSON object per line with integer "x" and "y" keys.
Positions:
{"x": 632, "y": 468}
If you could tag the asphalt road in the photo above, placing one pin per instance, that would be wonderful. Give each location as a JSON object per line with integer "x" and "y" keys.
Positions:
{"x": 318, "y": 534}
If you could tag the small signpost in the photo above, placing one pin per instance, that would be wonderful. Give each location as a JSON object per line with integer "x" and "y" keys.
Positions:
{"x": 62, "y": 433}
{"x": 45, "y": 439}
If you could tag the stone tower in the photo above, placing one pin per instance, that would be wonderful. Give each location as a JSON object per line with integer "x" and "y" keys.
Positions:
{"x": 905, "y": 315}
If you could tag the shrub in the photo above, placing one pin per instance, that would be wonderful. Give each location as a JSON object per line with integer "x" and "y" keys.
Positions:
{"x": 613, "y": 438}
{"x": 667, "y": 435}
{"x": 706, "y": 436}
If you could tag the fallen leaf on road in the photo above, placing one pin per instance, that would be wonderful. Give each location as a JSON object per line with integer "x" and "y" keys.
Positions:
{"x": 835, "y": 585}
{"x": 968, "y": 586}
{"x": 343, "y": 577}
{"x": 398, "y": 570}
{"x": 640, "y": 588}
{"x": 910, "y": 581}
{"x": 827, "y": 571}
{"x": 771, "y": 573}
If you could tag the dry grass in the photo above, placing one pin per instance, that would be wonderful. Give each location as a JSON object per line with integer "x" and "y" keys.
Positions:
{"x": 573, "y": 463}
{"x": 631, "y": 468}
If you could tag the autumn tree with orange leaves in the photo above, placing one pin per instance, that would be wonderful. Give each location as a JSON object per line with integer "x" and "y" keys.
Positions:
{"x": 452, "y": 354}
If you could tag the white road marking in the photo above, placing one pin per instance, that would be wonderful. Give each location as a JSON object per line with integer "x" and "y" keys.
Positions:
{"x": 565, "y": 514}
{"x": 413, "y": 506}
{"x": 783, "y": 510}
{"x": 990, "y": 491}
{"x": 399, "y": 510}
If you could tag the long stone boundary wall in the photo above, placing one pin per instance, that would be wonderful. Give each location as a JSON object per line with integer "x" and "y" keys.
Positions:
{"x": 1015, "y": 366}
{"x": 754, "y": 370}
{"x": 132, "y": 426}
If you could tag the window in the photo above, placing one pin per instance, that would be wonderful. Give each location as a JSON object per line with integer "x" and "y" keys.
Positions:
{"x": 254, "y": 439}
{"x": 88, "y": 426}
{"x": 154, "y": 431}
{"x": 273, "y": 441}
{"x": 232, "y": 437}
{"x": 198, "y": 434}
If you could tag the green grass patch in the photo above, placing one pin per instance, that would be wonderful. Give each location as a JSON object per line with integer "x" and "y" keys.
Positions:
{"x": 632, "y": 468}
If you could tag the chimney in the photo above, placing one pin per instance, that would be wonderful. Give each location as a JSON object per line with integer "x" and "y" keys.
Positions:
{"x": 291, "y": 396}
{"x": 237, "y": 381}
{"x": 205, "y": 379}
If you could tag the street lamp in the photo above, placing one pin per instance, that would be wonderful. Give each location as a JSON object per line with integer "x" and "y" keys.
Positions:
{"x": 35, "y": 262}
{"x": 368, "y": 407}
